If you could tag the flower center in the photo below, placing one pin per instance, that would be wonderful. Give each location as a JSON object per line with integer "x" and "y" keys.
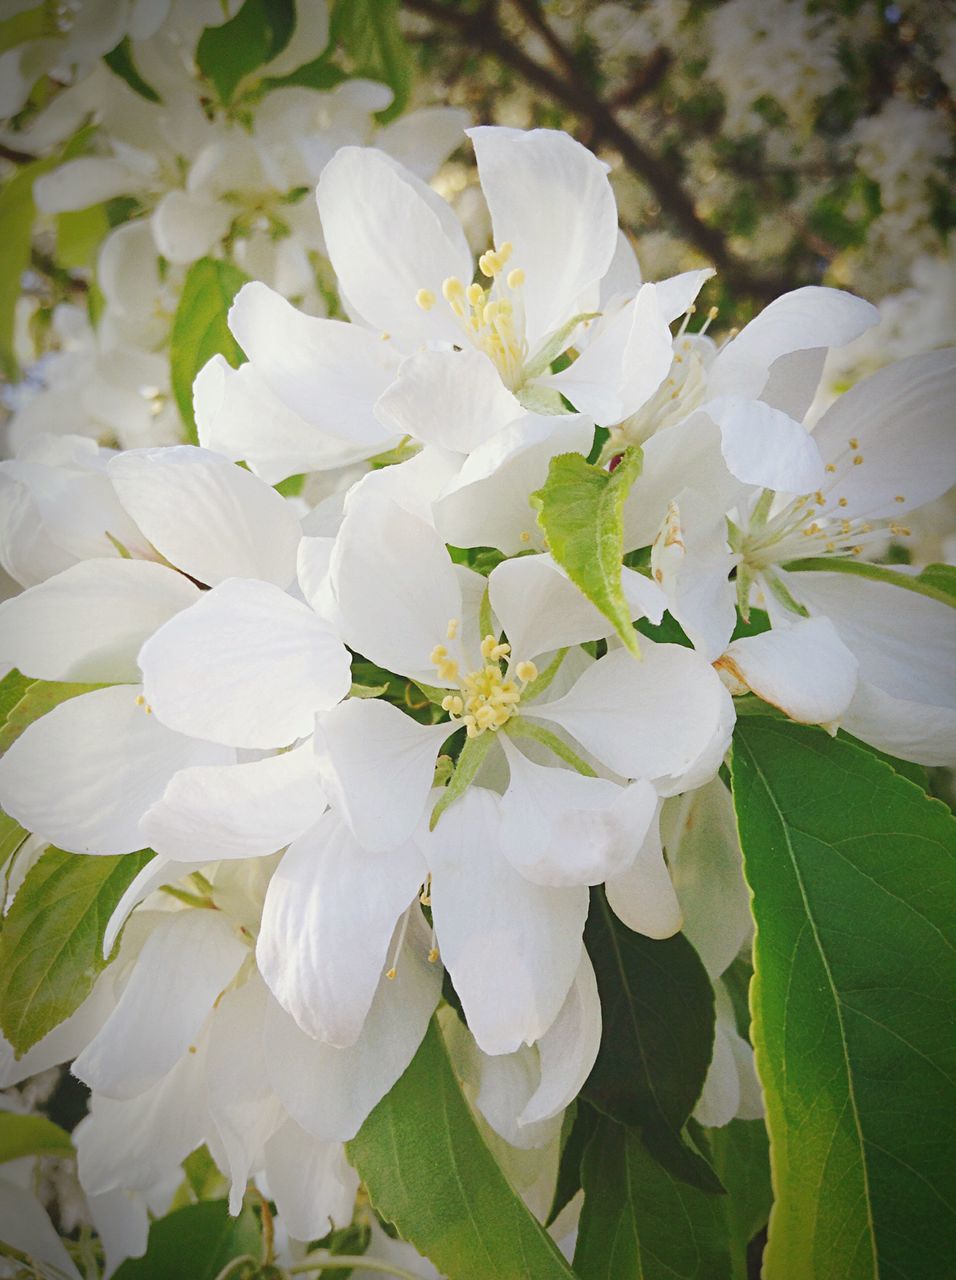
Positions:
{"x": 489, "y": 697}
{"x": 491, "y": 318}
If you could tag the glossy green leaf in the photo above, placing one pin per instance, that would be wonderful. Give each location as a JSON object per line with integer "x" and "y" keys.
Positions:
{"x": 853, "y": 875}
{"x": 580, "y": 1122}
{"x": 581, "y": 511}
{"x": 200, "y": 330}
{"x": 638, "y": 1222}
{"x": 78, "y": 235}
{"x": 122, "y": 63}
{"x": 31, "y": 1135}
{"x": 428, "y": 1171}
{"x": 51, "y": 946}
{"x": 258, "y": 32}
{"x": 369, "y": 32}
{"x": 37, "y": 698}
{"x": 195, "y": 1242}
{"x": 657, "y": 1038}
{"x": 741, "y": 1155}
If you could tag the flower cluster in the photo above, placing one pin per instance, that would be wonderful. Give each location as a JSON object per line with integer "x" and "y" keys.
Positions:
{"x": 396, "y": 730}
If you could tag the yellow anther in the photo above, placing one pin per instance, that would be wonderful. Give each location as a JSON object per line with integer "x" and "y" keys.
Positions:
{"x": 856, "y": 550}
{"x": 499, "y": 651}
{"x": 858, "y": 460}
{"x": 515, "y": 278}
{"x": 437, "y": 654}
{"x": 452, "y": 704}
{"x": 390, "y": 973}
{"x": 818, "y": 497}
{"x": 713, "y": 313}
{"x": 452, "y": 630}
{"x": 490, "y": 312}
{"x": 489, "y": 264}
{"x": 843, "y": 502}
{"x": 899, "y": 498}
{"x": 447, "y": 669}
{"x": 475, "y": 294}
{"x": 141, "y": 701}
{"x": 526, "y": 672}
{"x": 854, "y": 443}
{"x": 487, "y": 644}
{"x": 148, "y": 709}
{"x": 433, "y": 955}
{"x": 831, "y": 467}
{"x": 524, "y": 536}
{"x": 426, "y": 299}
{"x": 452, "y": 288}
{"x": 505, "y": 251}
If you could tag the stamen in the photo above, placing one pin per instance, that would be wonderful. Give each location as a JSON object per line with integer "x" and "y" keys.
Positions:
{"x": 515, "y": 278}
{"x": 392, "y": 970}
{"x": 524, "y": 536}
{"x": 452, "y": 631}
{"x": 526, "y": 672}
{"x": 426, "y": 299}
{"x": 858, "y": 460}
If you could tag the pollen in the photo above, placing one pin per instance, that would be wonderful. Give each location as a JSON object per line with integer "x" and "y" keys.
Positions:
{"x": 526, "y": 672}
{"x": 141, "y": 701}
{"x": 488, "y": 697}
{"x": 842, "y": 502}
{"x": 831, "y": 467}
{"x": 524, "y": 536}
{"x": 899, "y": 498}
{"x": 391, "y": 973}
{"x": 425, "y": 299}
{"x": 432, "y": 955}
{"x": 515, "y": 278}
{"x": 854, "y": 443}
{"x": 858, "y": 460}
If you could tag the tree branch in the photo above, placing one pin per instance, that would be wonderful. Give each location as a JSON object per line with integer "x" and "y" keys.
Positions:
{"x": 481, "y": 28}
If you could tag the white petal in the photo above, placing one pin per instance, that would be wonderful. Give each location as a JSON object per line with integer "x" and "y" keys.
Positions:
{"x": 247, "y": 665}
{"x": 236, "y": 811}
{"x": 648, "y": 718}
{"x": 24, "y": 1226}
{"x": 541, "y": 609}
{"x": 83, "y": 776}
{"x": 454, "y": 399}
{"x": 720, "y": 1096}
{"x": 567, "y": 1049}
{"x": 187, "y": 960}
{"x": 388, "y": 236}
{"x": 798, "y": 321}
{"x": 488, "y": 505}
{"x": 900, "y": 418}
{"x": 624, "y": 363}
{"x": 378, "y": 765}
{"x": 186, "y": 227}
{"x": 422, "y": 140}
{"x": 88, "y": 623}
{"x": 157, "y": 872}
{"x": 908, "y": 730}
{"x": 512, "y": 948}
{"x": 64, "y": 1042}
{"x": 329, "y": 913}
{"x": 121, "y": 1220}
{"x": 643, "y": 896}
{"x": 691, "y": 560}
{"x": 623, "y": 277}
{"x": 763, "y": 446}
{"x": 703, "y": 852}
{"x": 676, "y": 293}
{"x": 79, "y": 183}
{"x": 353, "y": 1080}
{"x": 395, "y": 586}
{"x": 232, "y": 407}
{"x": 805, "y": 670}
{"x": 328, "y": 373}
{"x": 560, "y": 828}
{"x": 313, "y": 1185}
{"x": 550, "y": 197}
{"x": 208, "y": 517}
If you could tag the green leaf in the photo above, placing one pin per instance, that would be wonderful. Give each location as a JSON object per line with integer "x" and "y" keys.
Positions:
{"x": 853, "y": 875}
{"x": 200, "y": 330}
{"x": 259, "y": 31}
{"x": 581, "y": 510}
{"x": 915, "y": 772}
{"x": 638, "y": 1221}
{"x": 38, "y": 697}
{"x": 584, "y": 1121}
{"x": 369, "y": 32}
{"x": 941, "y": 577}
{"x": 936, "y": 586}
{"x": 122, "y": 63}
{"x": 741, "y": 1156}
{"x": 428, "y": 1171}
{"x": 197, "y": 1241}
{"x": 51, "y": 947}
{"x": 469, "y": 761}
{"x": 31, "y": 1135}
{"x": 657, "y": 1009}
{"x": 17, "y": 212}
{"x": 78, "y": 235}
{"x": 12, "y": 836}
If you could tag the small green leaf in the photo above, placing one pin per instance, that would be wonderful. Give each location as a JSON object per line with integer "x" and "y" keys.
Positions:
{"x": 17, "y": 212}
{"x": 941, "y": 577}
{"x": 368, "y": 690}
{"x": 369, "y": 32}
{"x": 122, "y": 63}
{"x": 581, "y": 511}
{"x": 637, "y": 1221}
{"x": 469, "y": 762}
{"x": 429, "y": 1173}
{"x": 38, "y": 697}
{"x": 259, "y": 31}
{"x": 51, "y": 947}
{"x": 200, "y": 330}
{"x": 12, "y": 836}
{"x": 78, "y": 235}
{"x": 853, "y": 875}
{"x": 31, "y": 1135}
{"x": 657, "y": 1009}
{"x": 583, "y": 1122}
{"x": 197, "y": 1242}
{"x": 741, "y": 1155}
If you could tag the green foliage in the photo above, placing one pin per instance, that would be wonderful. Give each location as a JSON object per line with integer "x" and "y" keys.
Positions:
{"x": 51, "y": 947}
{"x": 941, "y": 577}
{"x": 257, "y": 34}
{"x": 428, "y": 1171}
{"x": 741, "y": 1155}
{"x": 17, "y": 212}
{"x": 197, "y": 1241}
{"x": 78, "y": 235}
{"x": 657, "y": 1037}
{"x": 580, "y": 1124}
{"x": 937, "y": 586}
{"x": 369, "y": 33}
{"x": 853, "y": 875}
{"x": 200, "y": 330}
{"x": 36, "y": 698}
{"x": 31, "y": 1135}
{"x": 581, "y": 511}
{"x": 120, "y": 61}
{"x": 639, "y": 1221}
